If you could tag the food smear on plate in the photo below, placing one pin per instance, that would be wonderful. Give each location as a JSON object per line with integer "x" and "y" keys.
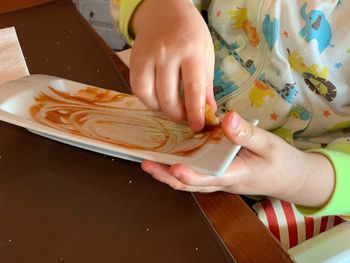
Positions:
{"x": 117, "y": 118}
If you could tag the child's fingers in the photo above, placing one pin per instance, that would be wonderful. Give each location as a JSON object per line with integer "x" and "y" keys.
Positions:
{"x": 189, "y": 177}
{"x": 210, "y": 99}
{"x": 195, "y": 87}
{"x": 161, "y": 173}
{"x": 167, "y": 90}
{"x": 142, "y": 80}
{"x": 233, "y": 178}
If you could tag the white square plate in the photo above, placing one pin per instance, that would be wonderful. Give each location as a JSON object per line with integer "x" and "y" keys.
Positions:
{"x": 111, "y": 123}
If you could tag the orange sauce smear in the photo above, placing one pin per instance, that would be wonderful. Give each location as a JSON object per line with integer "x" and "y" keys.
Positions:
{"x": 91, "y": 96}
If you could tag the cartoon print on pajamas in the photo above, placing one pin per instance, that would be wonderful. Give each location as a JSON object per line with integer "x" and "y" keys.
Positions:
{"x": 270, "y": 29}
{"x": 222, "y": 87}
{"x": 284, "y": 133}
{"x": 299, "y": 112}
{"x": 263, "y": 88}
{"x": 258, "y": 93}
{"x": 298, "y": 121}
{"x": 296, "y": 62}
{"x": 288, "y": 93}
{"x": 316, "y": 27}
{"x": 315, "y": 79}
{"x": 241, "y": 21}
{"x": 320, "y": 86}
{"x": 248, "y": 65}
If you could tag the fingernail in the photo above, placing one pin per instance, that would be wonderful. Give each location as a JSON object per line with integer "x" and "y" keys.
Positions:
{"x": 234, "y": 121}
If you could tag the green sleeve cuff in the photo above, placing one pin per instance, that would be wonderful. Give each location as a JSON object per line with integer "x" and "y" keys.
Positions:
{"x": 127, "y": 9}
{"x": 339, "y": 203}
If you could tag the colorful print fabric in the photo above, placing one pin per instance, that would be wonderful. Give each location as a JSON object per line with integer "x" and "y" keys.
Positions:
{"x": 282, "y": 62}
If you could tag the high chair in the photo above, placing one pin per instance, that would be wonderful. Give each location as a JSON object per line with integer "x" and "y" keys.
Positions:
{"x": 332, "y": 246}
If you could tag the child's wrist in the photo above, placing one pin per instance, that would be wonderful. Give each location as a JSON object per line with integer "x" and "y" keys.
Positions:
{"x": 147, "y": 9}
{"x": 136, "y": 19}
{"x": 318, "y": 184}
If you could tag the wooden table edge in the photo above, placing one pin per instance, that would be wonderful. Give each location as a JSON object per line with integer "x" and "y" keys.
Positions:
{"x": 240, "y": 229}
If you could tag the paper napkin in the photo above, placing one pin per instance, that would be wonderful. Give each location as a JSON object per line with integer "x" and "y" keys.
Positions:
{"x": 12, "y": 62}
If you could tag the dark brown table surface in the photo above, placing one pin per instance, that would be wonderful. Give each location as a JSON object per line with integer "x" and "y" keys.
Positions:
{"x": 242, "y": 232}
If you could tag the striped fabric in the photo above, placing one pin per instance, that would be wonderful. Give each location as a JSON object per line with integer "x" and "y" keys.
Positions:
{"x": 288, "y": 225}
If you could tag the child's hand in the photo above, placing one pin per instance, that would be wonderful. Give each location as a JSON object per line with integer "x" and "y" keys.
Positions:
{"x": 173, "y": 43}
{"x": 266, "y": 165}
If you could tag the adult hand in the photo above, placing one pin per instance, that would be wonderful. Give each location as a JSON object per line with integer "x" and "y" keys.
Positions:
{"x": 173, "y": 45}
{"x": 266, "y": 165}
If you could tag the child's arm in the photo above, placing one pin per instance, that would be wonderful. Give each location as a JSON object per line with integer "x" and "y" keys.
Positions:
{"x": 122, "y": 12}
{"x": 172, "y": 45}
{"x": 338, "y": 153}
{"x": 267, "y": 165}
